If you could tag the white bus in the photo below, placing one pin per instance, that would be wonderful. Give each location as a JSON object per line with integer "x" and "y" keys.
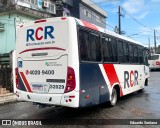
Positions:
{"x": 70, "y": 62}
{"x": 154, "y": 61}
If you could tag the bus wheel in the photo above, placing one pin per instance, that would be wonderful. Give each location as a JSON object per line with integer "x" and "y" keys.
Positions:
{"x": 141, "y": 90}
{"x": 113, "y": 98}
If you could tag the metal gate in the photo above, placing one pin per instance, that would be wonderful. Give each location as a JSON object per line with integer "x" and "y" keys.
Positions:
{"x": 6, "y": 72}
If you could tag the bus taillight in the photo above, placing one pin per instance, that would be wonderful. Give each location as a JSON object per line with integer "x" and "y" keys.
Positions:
{"x": 157, "y": 62}
{"x": 71, "y": 80}
{"x": 17, "y": 81}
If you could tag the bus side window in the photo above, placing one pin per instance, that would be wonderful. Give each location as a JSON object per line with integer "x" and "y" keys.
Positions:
{"x": 120, "y": 51}
{"x": 126, "y": 52}
{"x": 145, "y": 58}
{"x": 140, "y": 53}
{"x": 95, "y": 47}
{"x": 90, "y": 46}
{"x": 114, "y": 56}
{"x": 83, "y": 44}
{"x": 135, "y": 54}
{"x": 106, "y": 56}
{"x": 130, "y": 53}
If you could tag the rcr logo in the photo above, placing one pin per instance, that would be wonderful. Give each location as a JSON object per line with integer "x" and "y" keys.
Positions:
{"x": 40, "y": 33}
{"x": 130, "y": 78}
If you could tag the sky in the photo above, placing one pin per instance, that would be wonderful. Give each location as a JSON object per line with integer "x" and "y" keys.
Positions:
{"x": 140, "y": 18}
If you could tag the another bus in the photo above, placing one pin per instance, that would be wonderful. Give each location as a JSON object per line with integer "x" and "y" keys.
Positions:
{"x": 65, "y": 61}
{"x": 154, "y": 61}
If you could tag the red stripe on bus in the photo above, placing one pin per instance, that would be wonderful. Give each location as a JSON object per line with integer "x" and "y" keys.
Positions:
{"x": 88, "y": 25}
{"x": 112, "y": 75}
{"x": 25, "y": 82}
{"x": 46, "y": 48}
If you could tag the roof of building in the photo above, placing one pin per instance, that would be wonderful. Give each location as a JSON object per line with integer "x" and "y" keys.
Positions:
{"x": 95, "y": 7}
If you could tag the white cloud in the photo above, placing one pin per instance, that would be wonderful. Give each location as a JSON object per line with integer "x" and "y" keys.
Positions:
{"x": 142, "y": 15}
{"x": 137, "y": 8}
{"x": 133, "y": 6}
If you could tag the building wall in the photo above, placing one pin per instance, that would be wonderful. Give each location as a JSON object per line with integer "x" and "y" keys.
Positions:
{"x": 8, "y": 36}
{"x": 10, "y": 21}
{"x": 91, "y": 16}
{"x": 97, "y": 16}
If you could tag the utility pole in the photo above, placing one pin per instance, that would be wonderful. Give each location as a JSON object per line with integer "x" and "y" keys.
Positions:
{"x": 149, "y": 46}
{"x": 155, "y": 45}
{"x": 119, "y": 19}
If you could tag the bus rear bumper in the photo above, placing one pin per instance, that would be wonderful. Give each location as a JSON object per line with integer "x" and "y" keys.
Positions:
{"x": 70, "y": 99}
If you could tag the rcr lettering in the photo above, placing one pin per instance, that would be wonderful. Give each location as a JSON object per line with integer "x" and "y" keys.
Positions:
{"x": 40, "y": 33}
{"x": 130, "y": 78}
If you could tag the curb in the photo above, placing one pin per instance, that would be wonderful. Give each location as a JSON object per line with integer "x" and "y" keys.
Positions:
{"x": 7, "y": 98}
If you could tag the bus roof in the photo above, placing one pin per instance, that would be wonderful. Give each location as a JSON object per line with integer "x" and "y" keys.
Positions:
{"x": 111, "y": 33}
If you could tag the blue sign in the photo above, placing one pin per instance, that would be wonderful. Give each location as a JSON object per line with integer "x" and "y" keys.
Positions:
{"x": 39, "y": 2}
{"x": 20, "y": 64}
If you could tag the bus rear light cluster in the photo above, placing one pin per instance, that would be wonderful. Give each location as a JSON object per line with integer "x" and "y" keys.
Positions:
{"x": 157, "y": 62}
{"x": 71, "y": 80}
{"x": 17, "y": 81}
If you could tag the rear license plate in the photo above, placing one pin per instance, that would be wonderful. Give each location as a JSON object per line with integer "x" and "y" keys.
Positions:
{"x": 39, "y": 88}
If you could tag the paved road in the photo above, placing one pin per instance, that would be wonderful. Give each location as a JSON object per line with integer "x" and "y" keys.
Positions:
{"x": 145, "y": 105}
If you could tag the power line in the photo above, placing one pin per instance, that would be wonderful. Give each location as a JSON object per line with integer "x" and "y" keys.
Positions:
{"x": 137, "y": 21}
{"x": 135, "y": 34}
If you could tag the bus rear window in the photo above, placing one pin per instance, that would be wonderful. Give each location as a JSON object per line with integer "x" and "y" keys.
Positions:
{"x": 153, "y": 57}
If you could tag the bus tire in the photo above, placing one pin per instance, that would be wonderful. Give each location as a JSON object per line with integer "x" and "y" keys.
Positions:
{"x": 114, "y": 98}
{"x": 141, "y": 90}
{"x": 146, "y": 82}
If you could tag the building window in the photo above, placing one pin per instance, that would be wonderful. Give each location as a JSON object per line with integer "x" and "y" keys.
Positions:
{"x": 97, "y": 18}
{"x": 52, "y": 8}
{"x": 87, "y": 13}
{"x": 31, "y": 1}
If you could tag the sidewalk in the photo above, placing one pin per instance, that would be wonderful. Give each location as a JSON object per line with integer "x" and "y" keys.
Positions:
{"x": 7, "y": 98}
